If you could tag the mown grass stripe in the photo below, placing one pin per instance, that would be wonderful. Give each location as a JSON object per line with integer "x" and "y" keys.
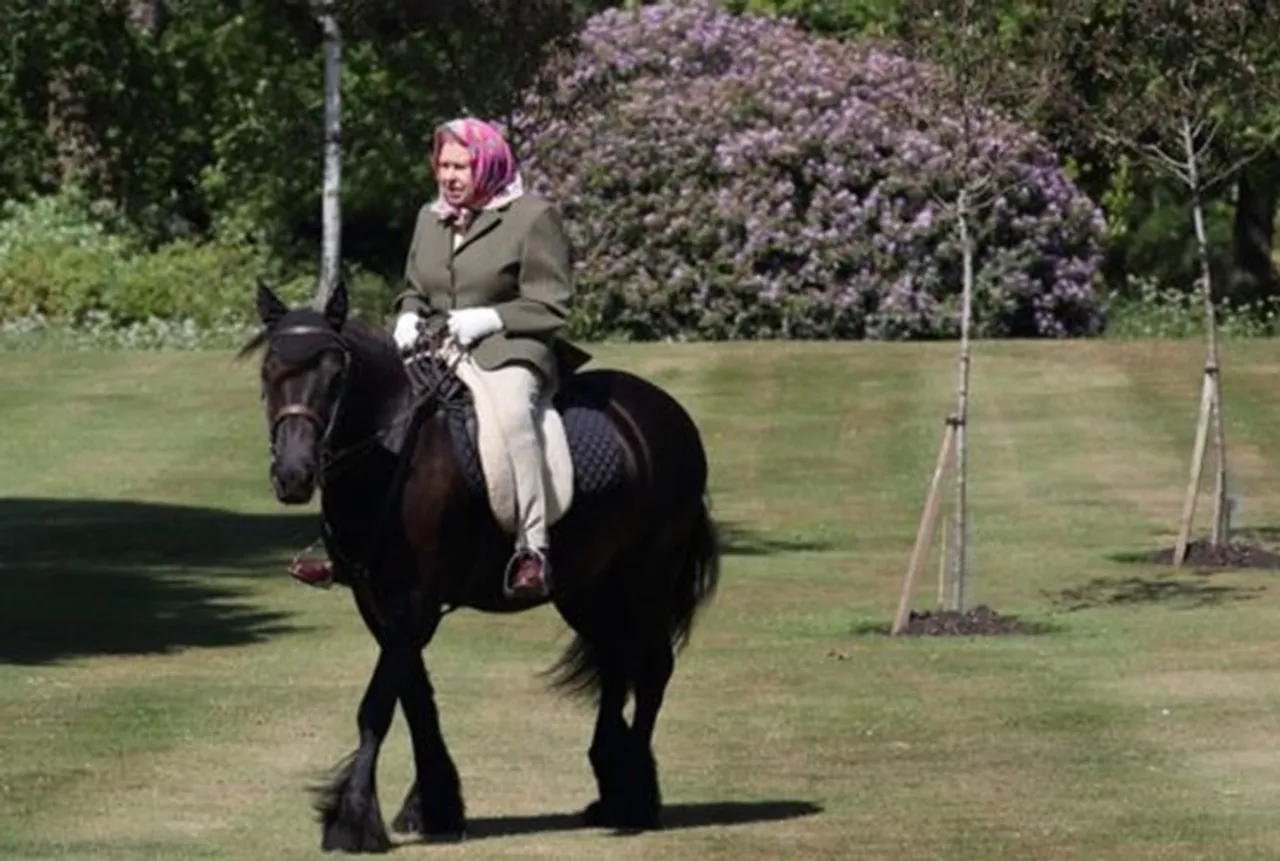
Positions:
{"x": 1050, "y": 747}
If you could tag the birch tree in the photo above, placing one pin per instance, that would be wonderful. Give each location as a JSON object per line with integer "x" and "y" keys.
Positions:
{"x": 331, "y": 197}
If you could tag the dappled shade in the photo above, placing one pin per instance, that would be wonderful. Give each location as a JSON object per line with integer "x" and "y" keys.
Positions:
{"x": 100, "y": 577}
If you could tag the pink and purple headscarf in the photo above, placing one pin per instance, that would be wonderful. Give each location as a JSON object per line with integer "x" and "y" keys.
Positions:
{"x": 496, "y": 177}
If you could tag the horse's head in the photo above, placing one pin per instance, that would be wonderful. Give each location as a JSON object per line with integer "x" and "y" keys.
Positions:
{"x": 304, "y": 373}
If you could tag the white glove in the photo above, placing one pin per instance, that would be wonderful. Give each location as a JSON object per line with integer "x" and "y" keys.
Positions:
{"x": 469, "y": 325}
{"x": 407, "y": 328}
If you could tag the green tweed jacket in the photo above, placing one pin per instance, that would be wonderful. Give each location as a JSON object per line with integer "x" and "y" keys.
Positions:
{"x": 516, "y": 259}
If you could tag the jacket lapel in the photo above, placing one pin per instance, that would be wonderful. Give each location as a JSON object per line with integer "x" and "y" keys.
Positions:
{"x": 436, "y": 246}
{"x": 485, "y": 221}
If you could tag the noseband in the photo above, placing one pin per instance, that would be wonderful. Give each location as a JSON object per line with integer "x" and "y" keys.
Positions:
{"x": 323, "y": 427}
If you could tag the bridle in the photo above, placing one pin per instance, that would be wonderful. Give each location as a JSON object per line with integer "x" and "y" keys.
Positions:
{"x": 425, "y": 391}
{"x": 330, "y": 459}
{"x": 324, "y": 427}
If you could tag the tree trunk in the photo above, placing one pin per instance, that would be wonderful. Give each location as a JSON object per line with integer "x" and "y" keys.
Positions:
{"x": 960, "y": 521}
{"x": 331, "y": 214}
{"x": 1212, "y": 365}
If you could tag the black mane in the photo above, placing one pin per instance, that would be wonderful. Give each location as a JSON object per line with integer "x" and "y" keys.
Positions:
{"x": 374, "y": 345}
{"x": 370, "y": 343}
{"x": 378, "y": 376}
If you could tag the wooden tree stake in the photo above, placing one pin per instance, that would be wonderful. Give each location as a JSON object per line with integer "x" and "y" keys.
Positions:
{"x": 928, "y": 525}
{"x": 1197, "y": 467}
{"x": 942, "y": 562}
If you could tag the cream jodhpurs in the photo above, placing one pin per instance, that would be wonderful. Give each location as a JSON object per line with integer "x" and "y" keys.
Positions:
{"x": 513, "y": 394}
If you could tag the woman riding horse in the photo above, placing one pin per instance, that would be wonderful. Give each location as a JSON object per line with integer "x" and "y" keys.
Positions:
{"x": 493, "y": 263}
{"x": 637, "y": 556}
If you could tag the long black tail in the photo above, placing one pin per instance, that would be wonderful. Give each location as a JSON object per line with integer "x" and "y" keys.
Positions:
{"x": 699, "y": 577}
{"x": 577, "y": 671}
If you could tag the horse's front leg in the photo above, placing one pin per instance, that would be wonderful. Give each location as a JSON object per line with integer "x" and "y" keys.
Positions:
{"x": 434, "y": 805}
{"x": 349, "y": 811}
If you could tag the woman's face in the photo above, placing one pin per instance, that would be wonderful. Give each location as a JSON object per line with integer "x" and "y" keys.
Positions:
{"x": 453, "y": 173}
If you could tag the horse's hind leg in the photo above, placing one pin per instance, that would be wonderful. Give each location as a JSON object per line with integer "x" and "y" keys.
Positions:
{"x": 593, "y": 665}
{"x": 646, "y": 646}
{"x": 618, "y": 651}
{"x": 433, "y": 806}
{"x": 621, "y": 756}
{"x": 664, "y": 600}
{"x": 608, "y": 749}
{"x": 640, "y": 804}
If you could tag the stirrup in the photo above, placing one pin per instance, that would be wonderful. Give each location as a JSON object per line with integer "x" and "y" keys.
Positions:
{"x": 508, "y": 587}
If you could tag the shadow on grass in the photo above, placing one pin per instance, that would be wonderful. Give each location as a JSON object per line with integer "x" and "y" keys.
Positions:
{"x": 1014, "y": 626}
{"x": 102, "y": 577}
{"x": 739, "y": 540}
{"x": 1193, "y": 591}
{"x": 674, "y": 816}
{"x": 1255, "y": 548}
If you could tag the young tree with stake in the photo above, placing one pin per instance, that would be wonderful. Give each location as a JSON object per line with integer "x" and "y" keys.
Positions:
{"x": 979, "y": 87}
{"x": 1178, "y": 85}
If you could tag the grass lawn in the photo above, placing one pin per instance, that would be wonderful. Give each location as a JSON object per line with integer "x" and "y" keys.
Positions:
{"x": 167, "y": 692}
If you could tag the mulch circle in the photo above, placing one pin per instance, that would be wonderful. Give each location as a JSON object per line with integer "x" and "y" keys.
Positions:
{"x": 1236, "y": 553}
{"x": 981, "y": 620}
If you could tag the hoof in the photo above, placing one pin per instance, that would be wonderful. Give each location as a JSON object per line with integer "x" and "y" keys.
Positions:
{"x": 340, "y": 837}
{"x": 439, "y": 828}
{"x": 444, "y": 837}
{"x": 597, "y": 815}
{"x": 407, "y": 821}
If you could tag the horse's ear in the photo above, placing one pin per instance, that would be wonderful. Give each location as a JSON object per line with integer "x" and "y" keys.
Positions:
{"x": 337, "y": 305}
{"x": 270, "y": 308}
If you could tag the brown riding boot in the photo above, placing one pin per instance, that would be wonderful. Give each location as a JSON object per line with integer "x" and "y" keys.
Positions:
{"x": 528, "y": 575}
{"x": 313, "y": 571}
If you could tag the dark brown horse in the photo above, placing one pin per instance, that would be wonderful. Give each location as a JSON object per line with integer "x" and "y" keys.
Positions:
{"x": 407, "y": 524}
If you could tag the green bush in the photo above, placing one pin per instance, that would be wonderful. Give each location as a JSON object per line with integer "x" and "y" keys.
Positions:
{"x": 1144, "y": 309}
{"x": 69, "y": 261}
{"x": 57, "y": 257}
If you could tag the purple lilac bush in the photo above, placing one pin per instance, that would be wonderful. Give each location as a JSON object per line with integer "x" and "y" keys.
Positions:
{"x": 730, "y": 176}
